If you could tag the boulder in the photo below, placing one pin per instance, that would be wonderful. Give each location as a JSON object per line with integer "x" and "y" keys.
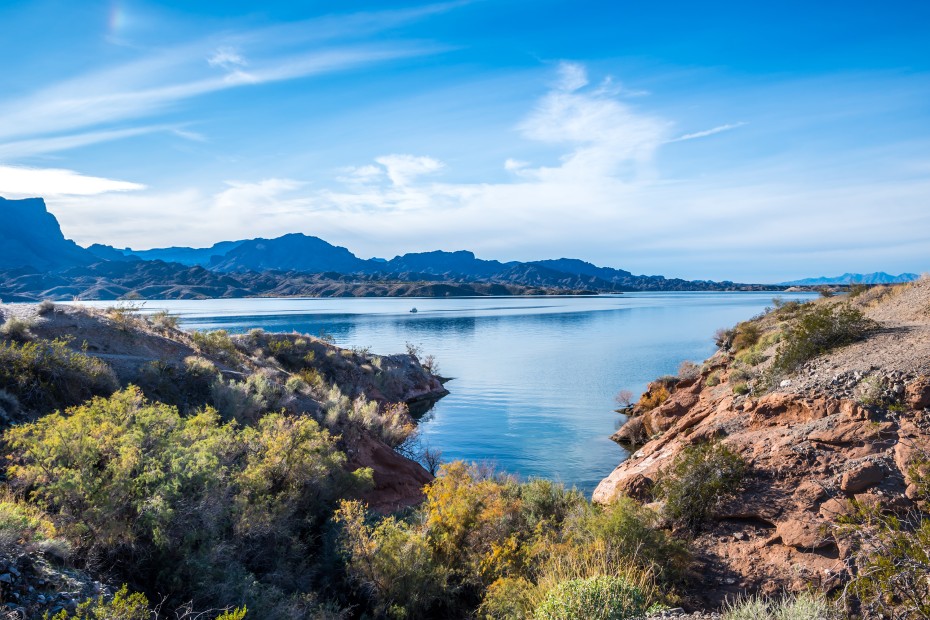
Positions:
{"x": 917, "y": 393}
{"x": 861, "y": 477}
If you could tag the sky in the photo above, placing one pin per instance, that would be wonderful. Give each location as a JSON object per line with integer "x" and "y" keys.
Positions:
{"x": 712, "y": 140}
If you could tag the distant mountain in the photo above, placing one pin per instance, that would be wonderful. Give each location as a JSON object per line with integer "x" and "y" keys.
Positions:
{"x": 294, "y": 252}
{"x": 108, "y": 252}
{"x": 30, "y": 236}
{"x": 461, "y": 263}
{"x": 188, "y": 256}
{"x": 879, "y": 277}
{"x": 36, "y": 261}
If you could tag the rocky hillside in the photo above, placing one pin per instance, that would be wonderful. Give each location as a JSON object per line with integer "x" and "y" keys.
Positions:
{"x": 820, "y": 415}
{"x": 155, "y": 355}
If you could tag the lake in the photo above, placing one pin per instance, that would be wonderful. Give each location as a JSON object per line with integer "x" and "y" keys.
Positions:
{"x": 534, "y": 378}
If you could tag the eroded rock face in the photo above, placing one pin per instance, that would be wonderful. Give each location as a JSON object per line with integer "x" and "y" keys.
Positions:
{"x": 809, "y": 455}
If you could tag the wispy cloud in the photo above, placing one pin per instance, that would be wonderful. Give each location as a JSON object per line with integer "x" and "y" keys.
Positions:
{"x": 97, "y": 106}
{"x": 707, "y": 132}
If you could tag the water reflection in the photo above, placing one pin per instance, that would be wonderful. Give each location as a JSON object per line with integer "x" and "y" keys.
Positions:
{"x": 534, "y": 377}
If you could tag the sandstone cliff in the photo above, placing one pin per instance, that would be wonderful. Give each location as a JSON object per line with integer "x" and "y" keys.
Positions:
{"x": 845, "y": 425}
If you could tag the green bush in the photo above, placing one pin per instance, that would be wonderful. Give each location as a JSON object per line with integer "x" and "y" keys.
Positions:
{"x": 393, "y": 562}
{"x": 818, "y": 329}
{"x": 595, "y": 598}
{"x": 45, "y": 375}
{"x": 186, "y": 504}
{"x": 699, "y": 480}
{"x": 805, "y": 606}
{"x": 217, "y": 343}
{"x": 16, "y": 329}
{"x": 508, "y": 599}
{"x": 747, "y": 334}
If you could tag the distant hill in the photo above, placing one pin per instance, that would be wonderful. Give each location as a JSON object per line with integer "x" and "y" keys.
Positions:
{"x": 31, "y": 237}
{"x": 293, "y": 252}
{"x": 36, "y": 261}
{"x": 879, "y": 277}
{"x": 189, "y": 256}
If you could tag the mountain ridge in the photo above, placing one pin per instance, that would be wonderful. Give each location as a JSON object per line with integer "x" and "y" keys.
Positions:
{"x": 37, "y": 262}
{"x": 876, "y": 277}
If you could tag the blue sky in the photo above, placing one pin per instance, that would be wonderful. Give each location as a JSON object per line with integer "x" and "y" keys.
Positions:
{"x": 712, "y": 140}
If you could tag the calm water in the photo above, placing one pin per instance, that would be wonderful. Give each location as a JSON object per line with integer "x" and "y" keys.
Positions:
{"x": 534, "y": 378}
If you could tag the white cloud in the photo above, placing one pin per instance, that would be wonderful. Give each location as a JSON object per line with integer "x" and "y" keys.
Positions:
{"x": 515, "y": 165}
{"x": 402, "y": 169}
{"x": 226, "y": 57}
{"x": 16, "y": 181}
{"x": 572, "y": 76}
{"x": 602, "y": 199}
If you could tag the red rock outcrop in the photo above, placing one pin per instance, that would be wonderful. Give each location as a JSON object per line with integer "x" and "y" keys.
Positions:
{"x": 808, "y": 456}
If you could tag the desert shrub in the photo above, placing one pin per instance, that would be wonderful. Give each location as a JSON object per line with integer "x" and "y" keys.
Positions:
{"x": 653, "y": 398}
{"x": 597, "y": 598}
{"x": 187, "y": 387}
{"x": 857, "y": 289}
{"x": 508, "y": 598}
{"x": 891, "y": 555}
{"x": 296, "y": 385}
{"x": 216, "y": 343}
{"x": 751, "y": 356}
{"x": 624, "y": 399}
{"x": 126, "y": 605}
{"x": 24, "y": 524}
{"x": 245, "y": 401}
{"x": 712, "y": 379}
{"x": 498, "y": 546}
{"x": 688, "y": 371}
{"x": 699, "y": 480}
{"x": 393, "y": 563}
{"x": 741, "y": 389}
{"x": 723, "y": 337}
{"x": 804, "y": 606}
{"x": 185, "y": 504}
{"x": 46, "y": 374}
{"x": 629, "y": 534}
{"x": 870, "y": 391}
{"x": 124, "y": 316}
{"x": 45, "y": 307}
{"x": 164, "y": 320}
{"x": 818, "y": 329}
{"x": 747, "y": 334}
{"x": 16, "y": 329}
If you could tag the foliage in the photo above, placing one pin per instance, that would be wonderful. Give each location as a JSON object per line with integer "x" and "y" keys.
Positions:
{"x": 747, "y": 334}
{"x": 217, "y": 343}
{"x": 741, "y": 389}
{"x": 126, "y": 605}
{"x": 688, "y": 370}
{"x": 653, "y": 398}
{"x": 891, "y": 555}
{"x": 699, "y": 480}
{"x": 489, "y": 542}
{"x": 817, "y": 329}
{"x": 804, "y": 606}
{"x": 45, "y": 307}
{"x": 16, "y": 329}
{"x": 393, "y": 563}
{"x": 597, "y": 598}
{"x": 164, "y": 320}
{"x": 712, "y": 379}
{"x": 185, "y": 503}
{"x": 47, "y": 374}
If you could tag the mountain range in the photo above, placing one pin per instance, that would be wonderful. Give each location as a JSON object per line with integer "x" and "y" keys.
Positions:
{"x": 37, "y": 261}
{"x": 878, "y": 277}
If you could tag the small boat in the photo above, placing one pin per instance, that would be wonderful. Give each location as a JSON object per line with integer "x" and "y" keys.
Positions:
{"x": 414, "y": 309}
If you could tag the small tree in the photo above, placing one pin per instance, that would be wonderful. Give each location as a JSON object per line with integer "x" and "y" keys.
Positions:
{"x": 624, "y": 398}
